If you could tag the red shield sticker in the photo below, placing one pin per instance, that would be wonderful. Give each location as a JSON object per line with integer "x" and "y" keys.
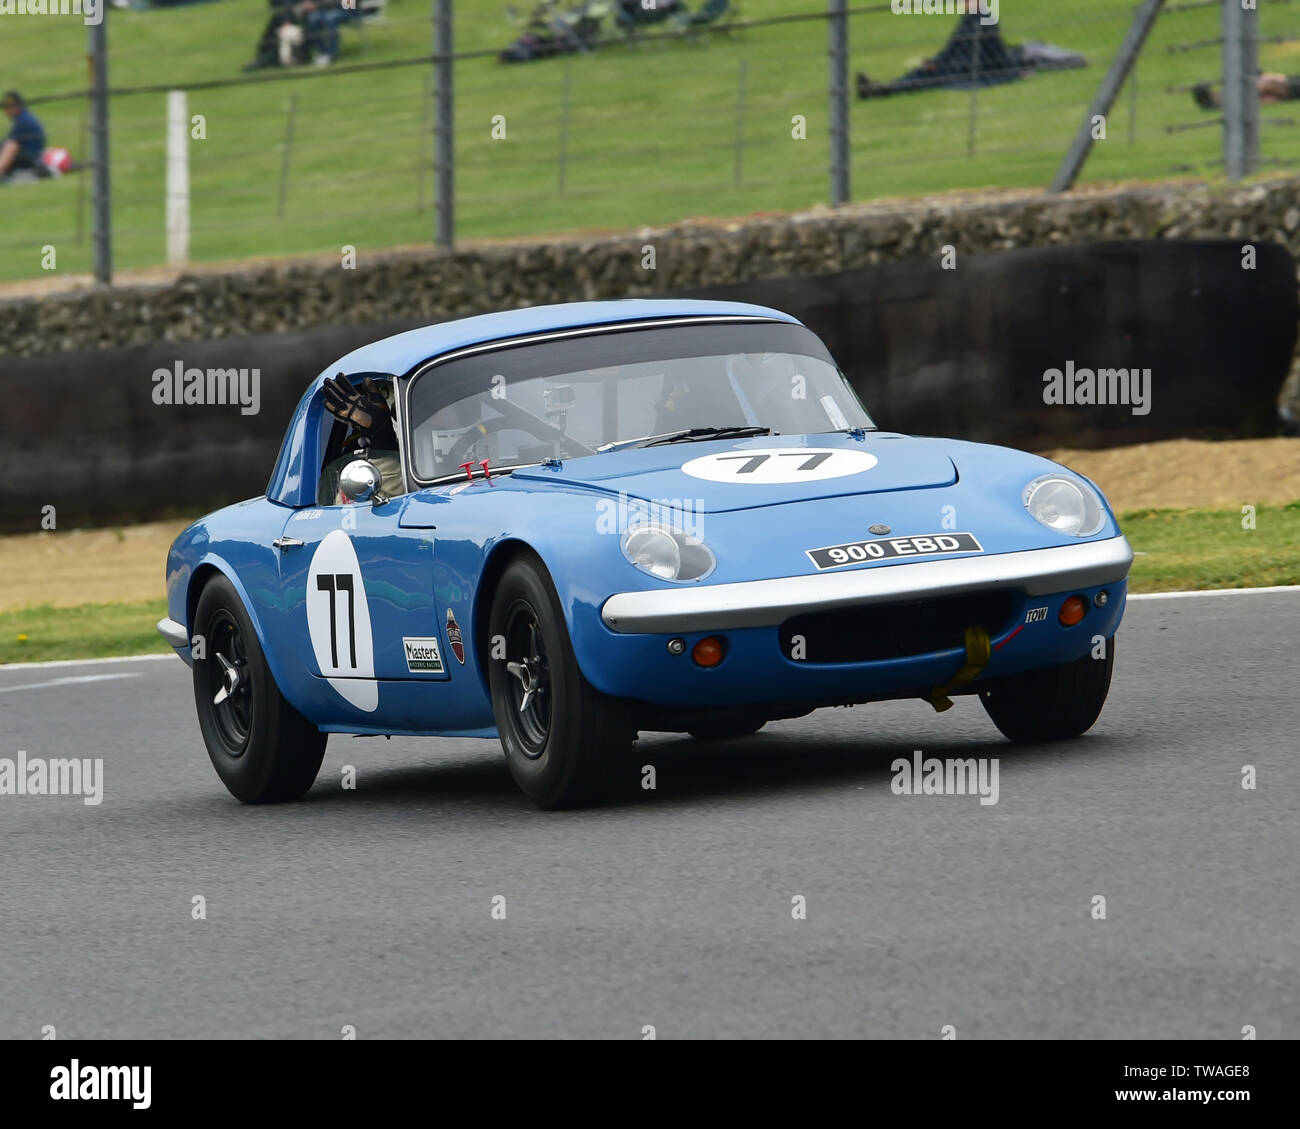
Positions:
{"x": 454, "y": 637}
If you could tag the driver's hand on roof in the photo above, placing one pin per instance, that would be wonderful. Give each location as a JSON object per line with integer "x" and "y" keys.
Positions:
{"x": 364, "y": 407}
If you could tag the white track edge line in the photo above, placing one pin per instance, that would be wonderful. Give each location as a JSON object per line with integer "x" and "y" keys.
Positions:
{"x": 1207, "y": 592}
{"x": 84, "y": 662}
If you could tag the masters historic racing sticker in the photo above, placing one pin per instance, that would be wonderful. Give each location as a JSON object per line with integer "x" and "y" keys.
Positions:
{"x": 422, "y": 656}
{"x": 836, "y": 556}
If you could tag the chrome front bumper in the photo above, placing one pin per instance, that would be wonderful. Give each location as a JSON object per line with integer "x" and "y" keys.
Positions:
{"x": 766, "y": 603}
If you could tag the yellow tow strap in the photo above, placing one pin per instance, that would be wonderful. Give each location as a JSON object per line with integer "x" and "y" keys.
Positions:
{"x": 978, "y": 651}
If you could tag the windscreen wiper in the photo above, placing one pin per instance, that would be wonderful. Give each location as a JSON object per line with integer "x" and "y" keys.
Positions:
{"x": 696, "y": 434}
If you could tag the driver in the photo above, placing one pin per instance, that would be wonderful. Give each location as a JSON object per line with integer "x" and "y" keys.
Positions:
{"x": 364, "y": 408}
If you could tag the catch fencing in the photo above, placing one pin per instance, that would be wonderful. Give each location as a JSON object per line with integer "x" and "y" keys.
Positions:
{"x": 417, "y": 132}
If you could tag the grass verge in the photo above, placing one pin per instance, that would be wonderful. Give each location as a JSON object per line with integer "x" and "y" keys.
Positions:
{"x": 1192, "y": 550}
{"x": 1180, "y": 550}
{"x": 89, "y": 631}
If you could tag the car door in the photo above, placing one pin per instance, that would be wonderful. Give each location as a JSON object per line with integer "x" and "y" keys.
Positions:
{"x": 358, "y": 604}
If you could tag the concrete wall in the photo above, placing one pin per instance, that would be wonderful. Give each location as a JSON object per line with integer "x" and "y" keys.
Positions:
{"x": 964, "y": 352}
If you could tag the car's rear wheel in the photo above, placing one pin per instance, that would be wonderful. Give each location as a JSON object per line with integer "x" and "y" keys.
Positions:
{"x": 563, "y": 739}
{"x": 726, "y": 730}
{"x": 262, "y": 748}
{"x": 1053, "y": 703}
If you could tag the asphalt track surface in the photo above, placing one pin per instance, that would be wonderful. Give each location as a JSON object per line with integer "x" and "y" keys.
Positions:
{"x": 673, "y": 908}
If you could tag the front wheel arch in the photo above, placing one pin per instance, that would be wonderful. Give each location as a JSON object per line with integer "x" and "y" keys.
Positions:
{"x": 502, "y": 556}
{"x": 212, "y": 566}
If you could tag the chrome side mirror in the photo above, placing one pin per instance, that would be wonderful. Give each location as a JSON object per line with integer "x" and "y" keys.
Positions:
{"x": 360, "y": 481}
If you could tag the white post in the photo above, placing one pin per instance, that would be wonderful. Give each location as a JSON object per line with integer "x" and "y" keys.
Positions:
{"x": 178, "y": 178}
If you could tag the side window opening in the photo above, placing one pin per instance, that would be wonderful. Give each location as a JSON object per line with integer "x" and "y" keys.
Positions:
{"x": 342, "y": 445}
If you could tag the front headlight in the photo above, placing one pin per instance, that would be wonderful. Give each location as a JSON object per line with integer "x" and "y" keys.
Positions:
{"x": 668, "y": 553}
{"x": 1065, "y": 505}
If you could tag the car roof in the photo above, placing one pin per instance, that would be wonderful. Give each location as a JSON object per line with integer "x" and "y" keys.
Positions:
{"x": 403, "y": 352}
{"x": 293, "y": 483}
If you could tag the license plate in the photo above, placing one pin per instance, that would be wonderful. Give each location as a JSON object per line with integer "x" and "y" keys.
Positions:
{"x": 857, "y": 552}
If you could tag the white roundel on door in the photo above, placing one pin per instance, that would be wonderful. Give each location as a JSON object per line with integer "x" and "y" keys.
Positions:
{"x": 338, "y": 621}
{"x": 779, "y": 464}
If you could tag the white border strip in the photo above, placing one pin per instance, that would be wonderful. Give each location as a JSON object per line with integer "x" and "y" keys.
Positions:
{"x": 160, "y": 658}
{"x": 1205, "y": 592}
{"x": 84, "y": 662}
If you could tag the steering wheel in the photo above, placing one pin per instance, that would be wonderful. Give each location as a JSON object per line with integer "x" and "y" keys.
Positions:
{"x": 481, "y": 431}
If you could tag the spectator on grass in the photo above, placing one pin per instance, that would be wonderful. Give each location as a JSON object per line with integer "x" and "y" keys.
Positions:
{"x": 301, "y": 31}
{"x": 23, "y": 148}
{"x": 1272, "y": 87}
{"x": 321, "y": 22}
{"x": 975, "y": 53}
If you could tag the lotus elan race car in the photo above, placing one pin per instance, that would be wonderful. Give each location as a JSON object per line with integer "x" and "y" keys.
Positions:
{"x": 607, "y": 518}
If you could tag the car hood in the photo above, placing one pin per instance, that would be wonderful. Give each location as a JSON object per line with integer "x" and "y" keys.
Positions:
{"x": 722, "y": 475}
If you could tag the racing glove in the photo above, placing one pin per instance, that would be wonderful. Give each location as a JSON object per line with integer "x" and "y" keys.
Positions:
{"x": 364, "y": 407}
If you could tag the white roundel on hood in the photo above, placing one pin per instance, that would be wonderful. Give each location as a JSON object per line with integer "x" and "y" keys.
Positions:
{"x": 768, "y": 465}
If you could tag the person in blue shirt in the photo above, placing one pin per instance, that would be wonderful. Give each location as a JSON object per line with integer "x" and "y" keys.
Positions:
{"x": 23, "y": 147}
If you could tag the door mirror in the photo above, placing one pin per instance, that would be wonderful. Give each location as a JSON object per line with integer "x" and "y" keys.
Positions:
{"x": 360, "y": 481}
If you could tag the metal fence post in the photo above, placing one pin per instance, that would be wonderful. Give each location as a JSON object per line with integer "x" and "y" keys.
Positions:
{"x": 426, "y": 105}
{"x": 1240, "y": 90}
{"x": 288, "y": 152}
{"x": 443, "y": 126}
{"x": 1234, "y": 154}
{"x": 564, "y": 123}
{"x": 972, "y": 121}
{"x": 1250, "y": 89}
{"x": 1106, "y": 94}
{"x": 101, "y": 202}
{"x": 738, "y": 172}
{"x": 838, "y": 36}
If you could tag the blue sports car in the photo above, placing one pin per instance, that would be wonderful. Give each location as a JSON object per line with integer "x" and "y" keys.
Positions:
{"x": 566, "y": 525}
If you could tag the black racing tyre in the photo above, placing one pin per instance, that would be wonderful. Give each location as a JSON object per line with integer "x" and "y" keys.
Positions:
{"x": 1053, "y": 703}
{"x": 564, "y": 740}
{"x": 263, "y": 749}
{"x": 726, "y": 730}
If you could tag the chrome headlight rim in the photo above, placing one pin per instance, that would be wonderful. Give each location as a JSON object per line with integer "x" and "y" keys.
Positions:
{"x": 1093, "y": 518}
{"x": 686, "y": 544}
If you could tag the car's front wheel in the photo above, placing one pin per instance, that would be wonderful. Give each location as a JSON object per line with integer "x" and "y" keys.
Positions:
{"x": 563, "y": 739}
{"x": 1053, "y": 703}
{"x": 262, "y": 748}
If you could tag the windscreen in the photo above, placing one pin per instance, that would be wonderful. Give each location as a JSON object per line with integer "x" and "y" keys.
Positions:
{"x": 567, "y": 397}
